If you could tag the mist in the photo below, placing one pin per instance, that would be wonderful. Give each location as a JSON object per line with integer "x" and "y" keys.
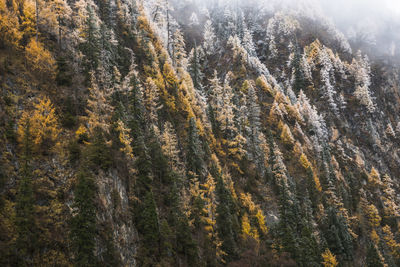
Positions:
{"x": 370, "y": 25}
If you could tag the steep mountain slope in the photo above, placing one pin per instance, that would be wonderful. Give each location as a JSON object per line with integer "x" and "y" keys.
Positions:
{"x": 193, "y": 133}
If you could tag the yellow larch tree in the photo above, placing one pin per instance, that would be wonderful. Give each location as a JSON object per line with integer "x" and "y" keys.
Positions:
{"x": 329, "y": 259}
{"x": 43, "y": 123}
{"x": 40, "y": 59}
{"x": 9, "y": 27}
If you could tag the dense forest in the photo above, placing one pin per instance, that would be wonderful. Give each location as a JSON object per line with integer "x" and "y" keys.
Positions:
{"x": 194, "y": 133}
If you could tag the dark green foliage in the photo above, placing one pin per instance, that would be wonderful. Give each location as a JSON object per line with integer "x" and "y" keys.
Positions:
{"x": 83, "y": 222}
{"x": 68, "y": 116}
{"x": 10, "y": 132}
{"x": 194, "y": 149}
{"x": 373, "y": 259}
{"x": 337, "y": 235}
{"x": 288, "y": 223}
{"x": 25, "y": 221}
{"x": 149, "y": 230}
{"x": 225, "y": 220}
{"x": 143, "y": 165}
{"x": 299, "y": 81}
{"x": 194, "y": 69}
{"x": 184, "y": 240}
{"x": 90, "y": 47}
{"x": 63, "y": 76}
{"x": 98, "y": 153}
{"x": 313, "y": 192}
{"x": 74, "y": 151}
{"x": 309, "y": 250}
{"x": 108, "y": 50}
{"x": 166, "y": 239}
{"x": 109, "y": 255}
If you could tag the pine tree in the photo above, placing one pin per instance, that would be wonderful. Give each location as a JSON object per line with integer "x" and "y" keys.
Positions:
{"x": 248, "y": 43}
{"x": 194, "y": 68}
{"x": 179, "y": 53}
{"x": 25, "y": 221}
{"x": 329, "y": 91}
{"x": 83, "y": 222}
{"x": 374, "y": 258}
{"x": 194, "y": 149}
{"x": 299, "y": 81}
{"x": 255, "y": 138}
{"x": 91, "y": 46}
{"x": 362, "y": 72}
{"x": 148, "y": 225}
{"x": 194, "y": 20}
{"x": 209, "y": 44}
{"x": 225, "y": 221}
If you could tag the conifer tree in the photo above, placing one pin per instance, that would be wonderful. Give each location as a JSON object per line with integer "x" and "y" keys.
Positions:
{"x": 195, "y": 68}
{"x": 298, "y": 76}
{"x": 209, "y": 37}
{"x": 83, "y": 222}
{"x": 90, "y": 46}
{"x": 25, "y": 221}
{"x": 256, "y": 139}
{"x": 195, "y": 150}
{"x": 329, "y": 259}
{"x": 170, "y": 148}
{"x": 362, "y": 72}
{"x": 148, "y": 225}
{"x": 179, "y": 53}
{"x": 99, "y": 110}
{"x": 225, "y": 221}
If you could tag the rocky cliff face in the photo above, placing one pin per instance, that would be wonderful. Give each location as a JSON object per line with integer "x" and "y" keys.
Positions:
{"x": 194, "y": 133}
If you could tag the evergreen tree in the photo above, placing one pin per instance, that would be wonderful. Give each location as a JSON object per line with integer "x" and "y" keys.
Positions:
{"x": 299, "y": 81}
{"x": 225, "y": 221}
{"x": 179, "y": 53}
{"x": 25, "y": 221}
{"x": 195, "y": 150}
{"x": 374, "y": 259}
{"x": 90, "y": 47}
{"x": 83, "y": 222}
{"x": 256, "y": 139}
{"x": 209, "y": 37}
{"x": 194, "y": 68}
{"x": 148, "y": 227}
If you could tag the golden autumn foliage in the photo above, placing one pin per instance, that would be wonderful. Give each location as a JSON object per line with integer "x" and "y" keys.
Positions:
{"x": 391, "y": 242}
{"x": 28, "y": 19}
{"x": 265, "y": 87}
{"x": 372, "y": 215}
{"x": 329, "y": 259}
{"x": 261, "y": 222}
{"x": 304, "y": 161}
{"x": 43, "y": 124}
{"x": 374, "y": 178}
{"x": 312, "y": 51}
{"x": 9, "y": 32}
{"x": 247, "y": 230}
{"x": 286, "y": 135}
{"x": 254, "y": 211}
{"x": 125, "y": 139}
{"x": 82, "y": 133}
{"x": 317, "y": 183}
{"x": 40, "y": 59}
